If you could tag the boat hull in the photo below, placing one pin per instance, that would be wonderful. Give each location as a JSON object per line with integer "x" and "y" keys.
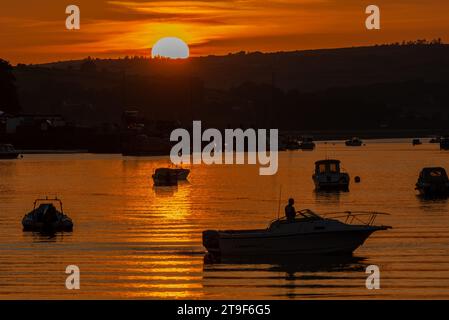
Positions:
{"x": 335, "y": 242}
{"x": 331, "y": 182}
{"x": 8, "y": 156}
{"x": 165, "y": 182}
{"x": 182, "y": 173}
{"x": 332, "y": 186}
{"x": 433, "y": 191}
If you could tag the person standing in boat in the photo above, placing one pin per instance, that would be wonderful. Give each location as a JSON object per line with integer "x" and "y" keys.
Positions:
{"x": 290, "y": 211}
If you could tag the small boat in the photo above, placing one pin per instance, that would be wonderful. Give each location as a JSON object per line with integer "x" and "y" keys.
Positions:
{"x": 444, "y": 143}
{"x": 328, "y": 176}
{"x": 7, "y": 151}
{"x": 45, "y": 217}
{"x": 308, "y": 234}
{"x": 291, "y": 143}
{"x": 435, "y": 140}
{"x": 416, "y": 142}
{"x": 165, "y": 177}
{"x": 307, "y": 143}
{"x": 354, "y": 142}
{"x": 433, "y": 182}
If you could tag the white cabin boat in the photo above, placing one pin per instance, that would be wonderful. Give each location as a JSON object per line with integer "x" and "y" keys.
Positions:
{"x": 308, "y": 234}
{"x": 328, "y": 176}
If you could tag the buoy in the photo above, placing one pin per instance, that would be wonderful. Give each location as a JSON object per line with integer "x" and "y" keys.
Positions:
{"x": 357, "y": 179}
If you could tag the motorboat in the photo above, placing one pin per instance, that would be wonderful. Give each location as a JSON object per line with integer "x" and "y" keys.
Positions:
{"x": 354, "y": 142}
{"x": 291, "y": 143}
{"x": 444, "y": 143}
{"x": 435, "y": 140}
{"x": 7, "y": 151}
{"x": 307, "y": 143}
{"x": 433, "y": 182}
{"x": 165, "y": 177}
{"x": 307, "y": 234}
{"x": 45, "y": 217}
{"x": 416, "y": 142}
{"x": 328, "y": 176}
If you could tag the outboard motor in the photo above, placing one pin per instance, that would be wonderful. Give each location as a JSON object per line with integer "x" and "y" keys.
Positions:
{"x": 211, "y": 240}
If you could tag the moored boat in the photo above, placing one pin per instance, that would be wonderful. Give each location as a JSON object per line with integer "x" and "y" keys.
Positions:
{"x": 307, "y": 143}
{"x": 308, "y": 234}
{"x": 7, "y": 151}
{"x": 444, "y": 143}
{"x": 433, "y": 182}
{"x": 435, "y": 140}
{"x": 45, "y": 217}
{"x": 328, "y": 176}
{"x": 416, "y": 142}
{"x": 165, "y": 177}
{"x": 354, "y": 142}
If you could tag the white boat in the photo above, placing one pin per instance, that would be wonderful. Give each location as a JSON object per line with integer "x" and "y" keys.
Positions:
{"x": 328, "y": 176}
{"x": 308, "y": 234}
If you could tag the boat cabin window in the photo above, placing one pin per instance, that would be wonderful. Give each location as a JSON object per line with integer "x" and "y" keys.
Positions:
{"x": 333, "y": 167}
{"x": 435, "y": 173}
{"x": 322, "y": 168}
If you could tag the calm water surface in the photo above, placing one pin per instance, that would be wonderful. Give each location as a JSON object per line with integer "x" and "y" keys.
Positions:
{"x": 134, "y": 241}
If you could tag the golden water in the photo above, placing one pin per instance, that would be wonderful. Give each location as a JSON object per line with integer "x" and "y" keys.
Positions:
{"x": 133, "y": 241}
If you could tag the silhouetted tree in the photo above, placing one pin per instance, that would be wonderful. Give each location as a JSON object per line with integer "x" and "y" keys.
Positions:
{"x": 88, "y": 65}
{"x": 8, "y": 91}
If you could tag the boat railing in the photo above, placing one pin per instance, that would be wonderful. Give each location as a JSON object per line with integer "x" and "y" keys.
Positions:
{"x": 47, "y": 199}
{"x": 350, "y": 217}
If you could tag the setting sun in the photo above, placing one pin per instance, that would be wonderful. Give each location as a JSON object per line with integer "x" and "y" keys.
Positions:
{"x": 170, "y": 47}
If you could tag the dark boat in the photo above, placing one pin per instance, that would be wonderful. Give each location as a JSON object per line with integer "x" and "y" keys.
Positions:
{"x": 435, "y": 140}
{"x": 354, "y": 142}
{"x": 416, "y": 142}
{"x": 7, "y": 151}
{"x": 291, "y": 143}
{"x": 165, "y": 177}
{"x": 328, "y": 176}
{"x": 433, "y": 182}
{"x": 307, "y": 143}
{"x": 444, "y": 143}
{"x": 46, "y": 218}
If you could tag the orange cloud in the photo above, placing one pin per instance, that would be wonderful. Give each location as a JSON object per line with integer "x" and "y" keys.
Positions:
{"x": 36, "y": 32}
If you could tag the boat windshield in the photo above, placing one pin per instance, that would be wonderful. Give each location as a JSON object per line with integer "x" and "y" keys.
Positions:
{"x": 309, "y": 214}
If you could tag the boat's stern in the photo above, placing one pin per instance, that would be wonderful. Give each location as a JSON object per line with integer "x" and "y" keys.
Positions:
{"x": 211, "y": 241}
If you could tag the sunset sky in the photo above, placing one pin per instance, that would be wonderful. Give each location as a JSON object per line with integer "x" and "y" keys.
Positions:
{"x": 33, "y": 31}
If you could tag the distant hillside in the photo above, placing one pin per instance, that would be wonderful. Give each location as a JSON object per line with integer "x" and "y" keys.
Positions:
{"x": 309, "y": 70}
{"x": 389, "y": 86}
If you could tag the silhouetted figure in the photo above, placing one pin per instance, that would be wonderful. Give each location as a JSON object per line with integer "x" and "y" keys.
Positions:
{"x": 290, "y": 212}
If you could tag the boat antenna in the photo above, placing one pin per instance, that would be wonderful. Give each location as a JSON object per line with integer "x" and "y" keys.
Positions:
{"x": 279, "y": 201}
{"x": 325, "y": 150}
